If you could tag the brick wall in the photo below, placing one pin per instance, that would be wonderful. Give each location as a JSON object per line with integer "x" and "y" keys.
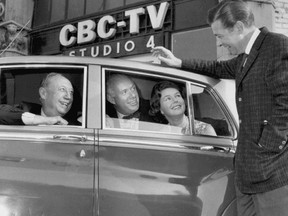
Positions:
{"x": 281, "y": 16}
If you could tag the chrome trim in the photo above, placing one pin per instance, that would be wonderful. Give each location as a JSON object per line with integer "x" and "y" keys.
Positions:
{"x": 46, "y": 134}
{"x": 84, "y": 96}
{"x": 167, "y": 141}
{"x": 70, "y": 137}
{"x": 168, "y": 147}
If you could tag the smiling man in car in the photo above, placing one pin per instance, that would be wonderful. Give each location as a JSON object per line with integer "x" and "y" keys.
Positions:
{"x": 124, "y": 104}
{"x": 56, "y": 96}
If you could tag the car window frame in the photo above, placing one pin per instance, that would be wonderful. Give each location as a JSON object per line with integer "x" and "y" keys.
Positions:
{"x": 218, "y": 100}
{"x": 187, "y": 83}
{"x": 84, "y": 73}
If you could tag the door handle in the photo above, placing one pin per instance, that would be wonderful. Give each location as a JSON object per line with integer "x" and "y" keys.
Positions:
{"x": 70, "y": 137}
{"x": 216, "y": 149}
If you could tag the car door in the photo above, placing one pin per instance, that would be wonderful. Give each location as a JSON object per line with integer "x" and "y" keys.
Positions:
{"x": 45, "y": 170}
{"x": 153, "y": 171}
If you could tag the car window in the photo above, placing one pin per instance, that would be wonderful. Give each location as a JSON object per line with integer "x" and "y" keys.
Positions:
{"x": 206, "y": 109}
{"x": 20, "y": 89}
{"x": 194, "y": 104}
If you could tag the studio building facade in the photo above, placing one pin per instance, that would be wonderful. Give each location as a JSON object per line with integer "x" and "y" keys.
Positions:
{"x": 121, "y": 29}
{"x": 115, "y": 28}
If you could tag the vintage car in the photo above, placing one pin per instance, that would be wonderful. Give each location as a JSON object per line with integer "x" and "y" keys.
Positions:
{"x": 93, "y": 169}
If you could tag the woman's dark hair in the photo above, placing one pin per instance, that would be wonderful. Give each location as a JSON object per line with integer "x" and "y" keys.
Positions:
{"x": 231, "y": 11}
{"x": 156, "y": 96}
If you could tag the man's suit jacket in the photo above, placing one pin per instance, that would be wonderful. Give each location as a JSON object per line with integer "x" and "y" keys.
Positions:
{"x": 144, "y": 106}
{"x": 10, "y": 118}
{"x": 261, "y": 160}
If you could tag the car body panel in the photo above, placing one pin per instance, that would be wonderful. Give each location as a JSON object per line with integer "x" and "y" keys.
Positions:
{"x": 154, "y": 177}
{"x": 94, "y": 170}
{"x": 40, "y": 172}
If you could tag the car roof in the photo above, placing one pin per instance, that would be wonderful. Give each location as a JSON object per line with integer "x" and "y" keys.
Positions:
{"x": 107, "y": 62}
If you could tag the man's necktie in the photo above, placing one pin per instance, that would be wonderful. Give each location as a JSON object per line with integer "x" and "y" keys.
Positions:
{"x": 244, "y": 59}
{"x": 134, "y": 115}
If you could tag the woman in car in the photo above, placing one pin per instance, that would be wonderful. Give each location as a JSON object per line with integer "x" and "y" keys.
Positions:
{"x": 168, "y": 107}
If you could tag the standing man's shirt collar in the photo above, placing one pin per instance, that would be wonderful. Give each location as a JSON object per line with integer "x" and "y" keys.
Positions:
{"x": 252, "y": 41}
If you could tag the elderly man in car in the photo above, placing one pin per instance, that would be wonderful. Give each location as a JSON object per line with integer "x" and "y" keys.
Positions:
{"x": 56, "y": 96}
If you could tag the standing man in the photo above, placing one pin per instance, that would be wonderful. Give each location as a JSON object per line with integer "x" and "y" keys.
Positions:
{"x": 261, "y": 74}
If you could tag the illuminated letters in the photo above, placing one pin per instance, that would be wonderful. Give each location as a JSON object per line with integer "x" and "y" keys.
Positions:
{"x": 88, "y": 30}
{"x": 107, "y": 50}
{"x": 134, "y": 19}
{"x": 63, "y": 37}
{"x": 102, "y": 26}
{"x": 157, "y": 20}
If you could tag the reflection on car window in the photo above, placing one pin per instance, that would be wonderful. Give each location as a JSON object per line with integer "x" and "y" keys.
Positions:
{"x": 206, "y": 109}
{"x": 52, "y": 91}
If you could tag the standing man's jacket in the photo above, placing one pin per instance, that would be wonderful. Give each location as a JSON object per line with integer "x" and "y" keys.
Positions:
{"x": 261, "y": 160}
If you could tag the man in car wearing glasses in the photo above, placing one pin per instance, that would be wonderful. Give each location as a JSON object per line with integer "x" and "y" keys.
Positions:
{"x": 56, "y": 96}
{"x": 124, "y": 107}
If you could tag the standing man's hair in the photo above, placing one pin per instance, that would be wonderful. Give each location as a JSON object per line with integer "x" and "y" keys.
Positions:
{"x": 231, "y": 11}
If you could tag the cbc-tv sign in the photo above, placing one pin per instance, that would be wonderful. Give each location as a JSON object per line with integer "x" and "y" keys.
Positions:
{"x": 123, "y": 33}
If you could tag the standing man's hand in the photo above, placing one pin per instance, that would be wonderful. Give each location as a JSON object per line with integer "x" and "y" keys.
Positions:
{"x": 166, "y": 56}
